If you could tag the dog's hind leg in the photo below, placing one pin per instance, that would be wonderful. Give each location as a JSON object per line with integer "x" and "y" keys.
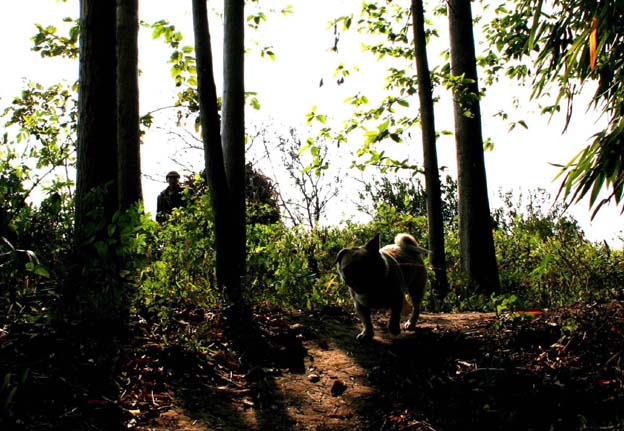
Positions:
{"x": 411, "y": 322}
{"x": 416, "y": 291}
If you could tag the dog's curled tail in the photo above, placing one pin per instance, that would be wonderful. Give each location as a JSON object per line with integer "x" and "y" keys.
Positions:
{"x": 406, "y": 241}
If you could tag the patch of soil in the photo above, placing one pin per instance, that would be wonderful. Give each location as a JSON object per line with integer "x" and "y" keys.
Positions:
{"x": 455, "y": 371}
{"x": 556, "y": 370}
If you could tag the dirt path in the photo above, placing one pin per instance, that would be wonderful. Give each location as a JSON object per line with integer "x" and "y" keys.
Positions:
{"x": 556, "y": 370}
{"x": 337, "y": 383}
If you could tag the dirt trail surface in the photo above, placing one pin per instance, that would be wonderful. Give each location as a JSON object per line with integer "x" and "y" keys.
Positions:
{"x": 551, "y": 370}
{"x": 334, "y": 385}
{"x": 455, "y": 371}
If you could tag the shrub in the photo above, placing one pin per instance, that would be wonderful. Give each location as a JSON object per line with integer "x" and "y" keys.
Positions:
{"x": 545, "y": 259}
{"x": 181, "y": 261}
{"x": 293, "y": 266}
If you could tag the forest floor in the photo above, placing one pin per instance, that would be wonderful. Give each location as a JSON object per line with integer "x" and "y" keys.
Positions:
{"x": 553, "y": 370}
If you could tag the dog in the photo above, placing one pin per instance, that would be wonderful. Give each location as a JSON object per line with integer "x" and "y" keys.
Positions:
{"x": 378, "y": 278}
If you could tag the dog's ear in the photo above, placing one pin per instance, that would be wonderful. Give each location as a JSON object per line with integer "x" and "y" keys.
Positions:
{"x": 341, "y": 254}
{"x": 374, "y": 244}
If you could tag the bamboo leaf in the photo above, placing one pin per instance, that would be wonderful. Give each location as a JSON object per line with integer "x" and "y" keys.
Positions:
{"x": 598, "y": 182}
{"x": 593, "y": 32}
{"x": 534, "y": 24}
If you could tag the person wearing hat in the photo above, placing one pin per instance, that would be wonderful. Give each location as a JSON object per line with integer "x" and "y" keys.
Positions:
{"x": 169, "y": 198}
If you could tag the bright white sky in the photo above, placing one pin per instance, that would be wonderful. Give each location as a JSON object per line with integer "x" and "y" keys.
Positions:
{"x": 289, "y": 87}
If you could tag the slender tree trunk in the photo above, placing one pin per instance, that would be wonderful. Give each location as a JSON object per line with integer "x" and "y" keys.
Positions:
{"x": 209, "y": 107}
{"x": 475, "y": 224}
{"x": 228, "y": 270}
{"x": 430, "y": 156}
{"x": 97, "y": 130}
{"x": 129, "y": 153}
{"x": 233, "y": 134}
{"x": 211, "y": 134}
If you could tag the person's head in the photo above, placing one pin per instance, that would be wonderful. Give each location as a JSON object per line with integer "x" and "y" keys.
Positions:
{"x": 173, "y": 178}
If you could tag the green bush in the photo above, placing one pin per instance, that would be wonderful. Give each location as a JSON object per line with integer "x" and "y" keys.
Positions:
{"x": 293, "y": 266}
{"x": 180, "y": 262}
{"x": 34, "y": 245}
{"x": 545, "y": 259}
{"x": 558, "y": 267}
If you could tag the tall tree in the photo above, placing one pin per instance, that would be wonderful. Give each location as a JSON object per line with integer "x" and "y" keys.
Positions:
{"x": 108, "y": 167}
{"x": 97, "y": 120}
{"x": 230, "y": 257}
{"x": 233, "y": 135}
{"x": 477, "y": 253}
{"x": 128, "y": 133}
{"x": 430, "y": 155}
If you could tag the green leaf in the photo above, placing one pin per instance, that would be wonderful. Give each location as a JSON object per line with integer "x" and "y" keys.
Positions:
{"x": 102, "y": 248}
{"x": 536, "y": 15}
{"x": 598, "y": 183}
{"x": 157, "y": 32}
{"x": 309, "y": 143}
{"x": 41, "y": 271}
{"x": 403, "y": 102}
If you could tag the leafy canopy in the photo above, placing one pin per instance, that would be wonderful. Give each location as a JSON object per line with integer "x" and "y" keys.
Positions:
{"x": 566, "y": 45}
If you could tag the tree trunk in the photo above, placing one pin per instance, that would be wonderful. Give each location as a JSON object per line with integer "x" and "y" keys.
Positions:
{"x": 129, "y": 153}
{"x": 233, "y": 134}
{"x": 97, "y": 131}
{"x": 478, "y": 257}
{"x": 430, "y": 156}
{"x": 96, "y": 293}
{"x": 228, "y": 270}
{"x": 209, "y": 107}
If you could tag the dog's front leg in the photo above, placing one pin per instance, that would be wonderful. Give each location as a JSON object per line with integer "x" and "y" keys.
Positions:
{"x": 365, "y": 316}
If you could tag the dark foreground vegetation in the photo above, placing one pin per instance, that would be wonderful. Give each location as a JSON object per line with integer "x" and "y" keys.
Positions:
{"x": 556, "y": 370}
{"x": 548, "y": 356}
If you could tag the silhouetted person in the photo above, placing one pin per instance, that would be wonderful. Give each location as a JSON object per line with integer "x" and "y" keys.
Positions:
{"x": 169, "y": 198}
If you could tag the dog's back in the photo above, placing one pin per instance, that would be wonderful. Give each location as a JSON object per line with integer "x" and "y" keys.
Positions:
{"x": 406, "y": 263}
{"x": 405, "y": 250}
